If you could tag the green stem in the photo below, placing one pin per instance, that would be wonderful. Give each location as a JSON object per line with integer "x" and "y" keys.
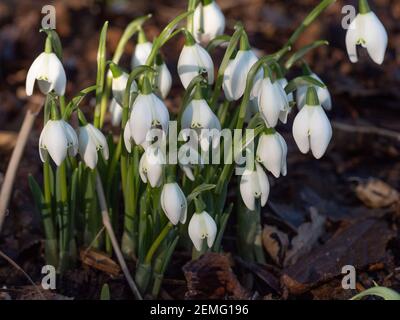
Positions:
{"x": 363, "y": 7}
{"x": 157, "y": 242}
{"x": 308, "y": 21}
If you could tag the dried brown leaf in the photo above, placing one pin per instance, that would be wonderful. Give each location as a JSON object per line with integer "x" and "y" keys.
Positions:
{"x": 375, "y": 193}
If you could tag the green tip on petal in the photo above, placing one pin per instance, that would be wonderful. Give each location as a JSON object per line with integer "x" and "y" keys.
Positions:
{"x": 312, "y": 97}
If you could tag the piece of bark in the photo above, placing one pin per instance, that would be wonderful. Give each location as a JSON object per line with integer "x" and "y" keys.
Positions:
{"x": 360, "y": 245}
{"x": 211, "y": 277}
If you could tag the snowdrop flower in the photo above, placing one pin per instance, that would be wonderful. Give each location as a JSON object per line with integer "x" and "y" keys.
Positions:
{"x": 235, "y": 74}
{"x": 368, "y": 31}
{"x": 193, "y": 60}
{"x": 323, "y": 95}
{"x": 254, "y": 185}
{"x": 116, "y": 112}
{"x": 47, "y": 69}
{"x": 173, "y": 203}
{"x": 92, "y": 140}
{"x": 163, "y": 79}
{"x": 272, "y": 102}
{"x": 148, "y": 112}
{"x": 311, "y": 127}
{"x": 151, "y": 166}
{"x": 58, "y": 138}
{"x": 208, "y": 21}
{"x": 119, "y": 84}
{"x": 199, "y": 116}
{"x": 202, "y": 226}
{"x": 272, "y": 152}
{"x": 142, "y": 51}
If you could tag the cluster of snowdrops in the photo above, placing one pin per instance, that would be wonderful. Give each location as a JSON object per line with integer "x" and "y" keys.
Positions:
{"x": 165, "y": 203}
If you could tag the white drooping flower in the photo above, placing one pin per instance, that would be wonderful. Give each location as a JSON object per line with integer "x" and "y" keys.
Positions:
{"x": 272, "y": 102}
{"x": 119, "y": 85}
{"x": 48, "y": 70}
{"x": 323, "y": 95}
{"x": 272, "y": 152}
{"x": 151, "y": 166}
{"x": 59, "y": 139}
{"x": 199, "y": 117}
{"x": 208, "y": 22}
{"x": 254, "y": 185}
{"x": 116, "y": 112}
{"x": 311, "y": 128}
{"x": 173, "y": 203}
{"x": 202, "y": 226}
{"x": 368, "y": 31}
{"x": 235, "y": 75}
{"x": 163, "y": 80}
{"x": 141, "y": 53}
{"x": 148, "y": 111}
{"x": 91, "y": 141}
{"x": 193, "y": 60}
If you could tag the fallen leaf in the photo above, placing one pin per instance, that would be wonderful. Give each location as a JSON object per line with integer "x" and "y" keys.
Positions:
{"x": 100, "y": 261}
{"x": 275, "y": 243}
{"x": 360, "y": 245}
{"x": 307, "y": 235}
{"x": 211, "y": 277}
{"x": 375, "y": 193}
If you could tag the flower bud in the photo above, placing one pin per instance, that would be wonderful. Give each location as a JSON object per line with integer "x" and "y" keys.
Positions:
{"x": 173, "y": 203}
{"x": 92, "y": 140}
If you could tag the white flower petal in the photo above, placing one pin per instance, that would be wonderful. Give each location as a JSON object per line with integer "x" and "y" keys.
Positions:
{"x": 375, "y": 36}
{"x": 263, "y": 184}
{"x": 142, "y": 52}
{"x": 320, "y": 132}
{"x": 192, "y": 60}
{"x": 301, "y": 127}
{"x": 141, "y": 118}
{"x": 56, "y": 74}
{"x": 195, "y": 231}
{"x": 246, "y": 189}
{"x": 208, "y": 22}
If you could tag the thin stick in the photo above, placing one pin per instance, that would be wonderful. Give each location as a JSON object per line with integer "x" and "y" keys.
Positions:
{"x": 366, "y": 130}
{"x": 114, "y": 242}
{"x": 16, "y": 266}
{"x": 8, "y": 183}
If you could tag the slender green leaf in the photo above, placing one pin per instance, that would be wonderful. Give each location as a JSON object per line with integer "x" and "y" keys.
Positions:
{"x": 105, "y": 292}
{"x": 385, "y": 293}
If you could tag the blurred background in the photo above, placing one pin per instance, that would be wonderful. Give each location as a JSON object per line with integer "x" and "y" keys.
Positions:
{"x": 365, "y": 115}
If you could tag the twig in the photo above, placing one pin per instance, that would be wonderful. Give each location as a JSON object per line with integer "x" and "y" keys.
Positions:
{"x": 16, "y": 266}
{"x": 366, "y": 130}
{"x": 8, "y": 183}
{"x": 114, "y": 242}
